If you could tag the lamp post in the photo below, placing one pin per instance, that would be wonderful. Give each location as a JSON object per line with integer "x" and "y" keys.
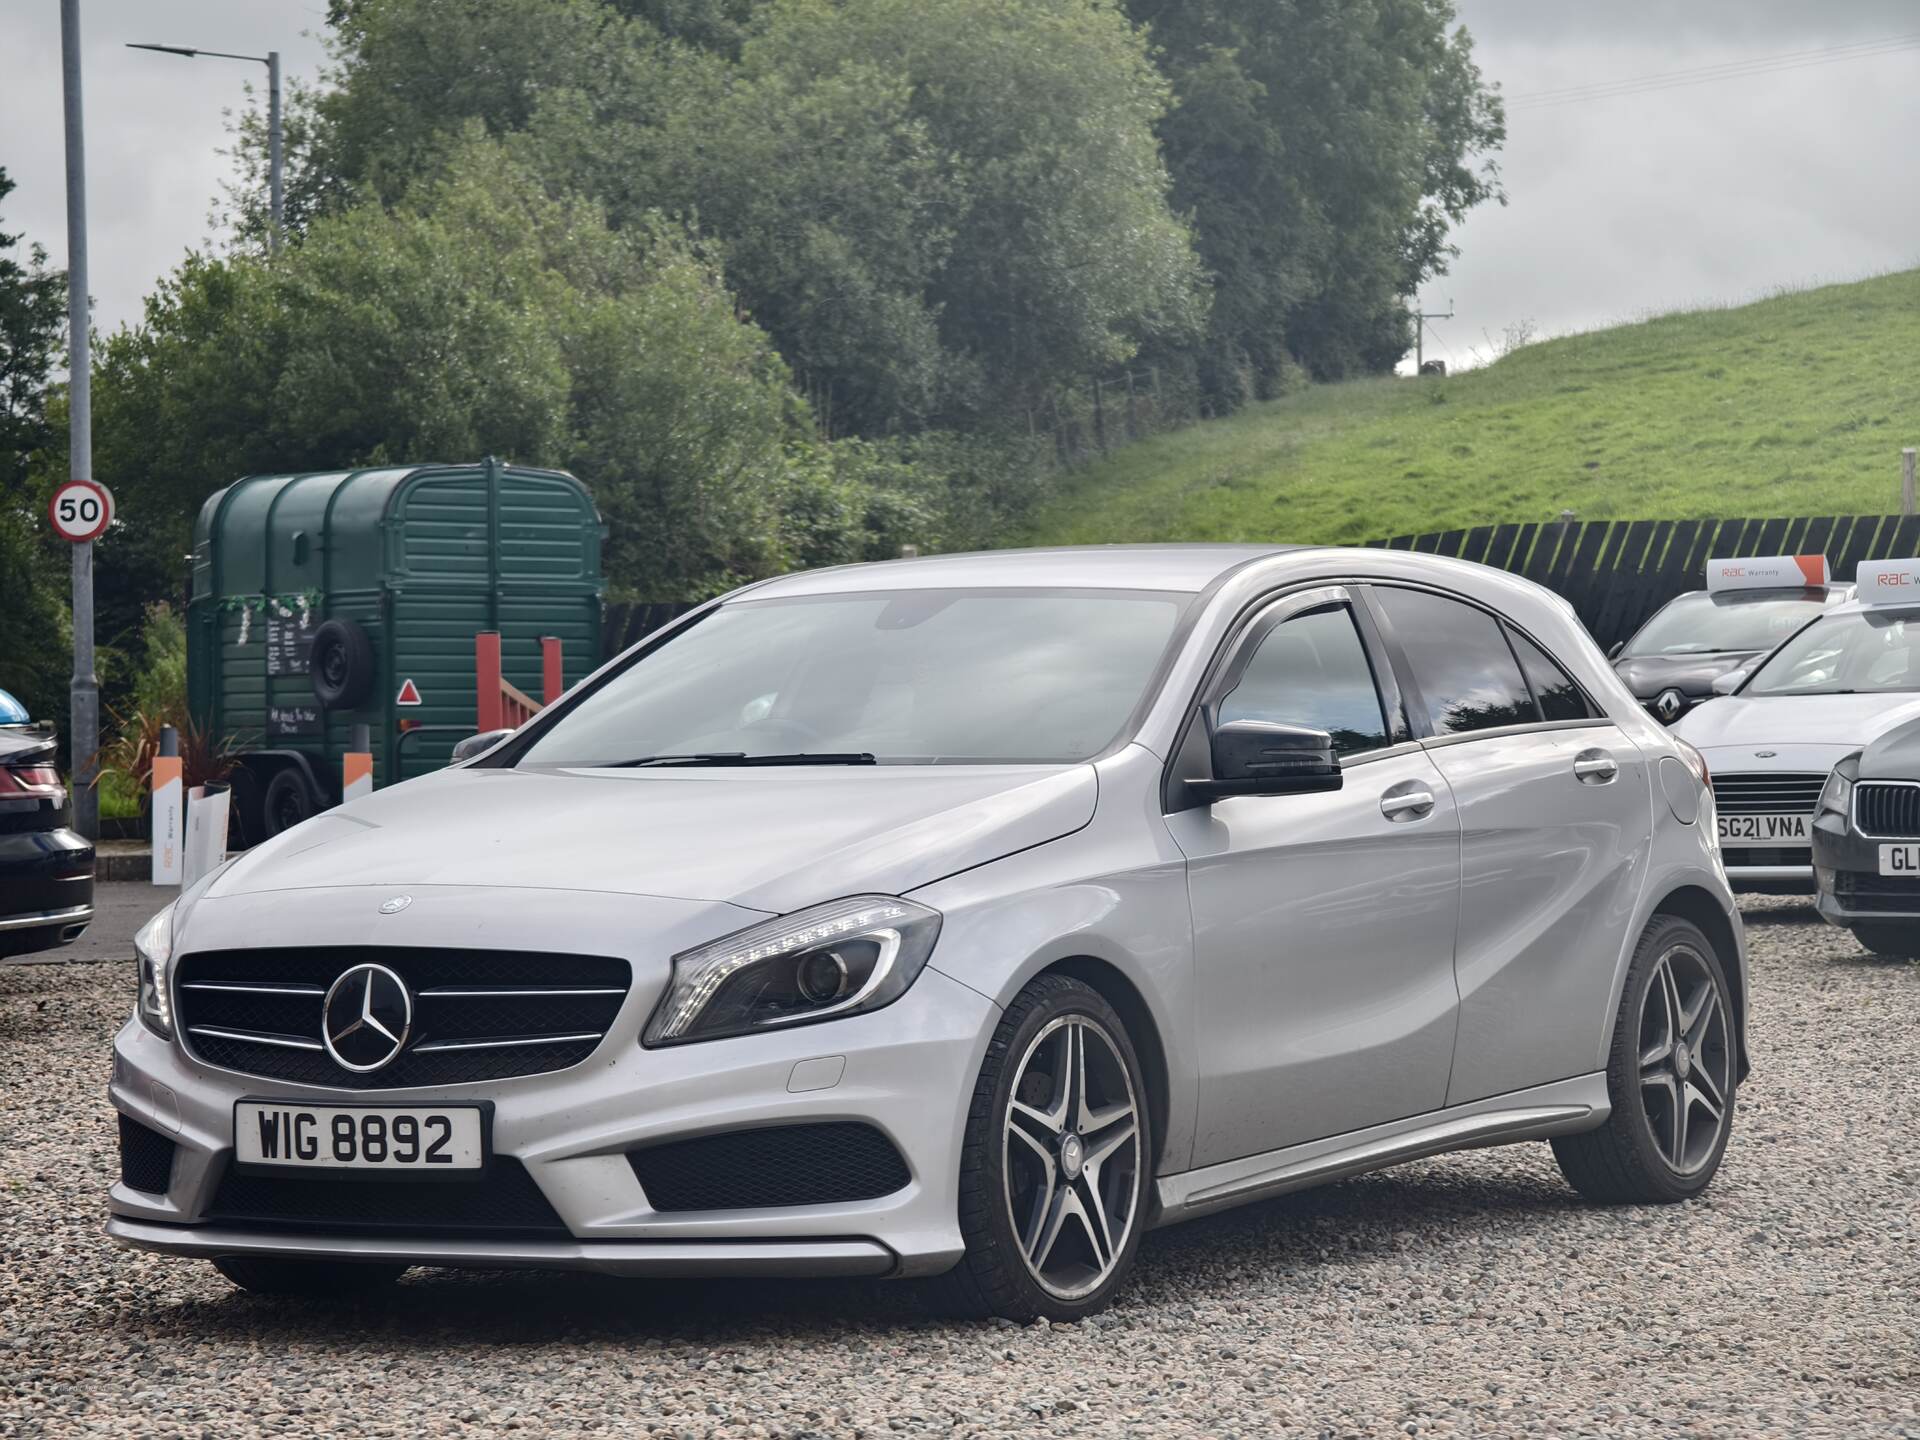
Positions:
{"x": 84, "y": 696}
{"x": 272, "y": 61}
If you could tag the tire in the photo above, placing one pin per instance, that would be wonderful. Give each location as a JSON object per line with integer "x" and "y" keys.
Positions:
{"x": 287, "y": 801}
{"x": 1104, "y": 1164}
{"x": 1900, "y": 942}
{"x": 1640, "y": 1156}
{"x": 341, "y": 665}
{"x": 314, "y": 1279}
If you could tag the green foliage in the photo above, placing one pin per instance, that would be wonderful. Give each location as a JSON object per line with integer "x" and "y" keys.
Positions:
{"x": 1785, "y": 407}
{"x": 1325, "y": 148}
{"x": 36, "y": 657}
{"x": 33, "y": 314}
{"x": 35, "y": 654}
{"x": 483, "y": 316}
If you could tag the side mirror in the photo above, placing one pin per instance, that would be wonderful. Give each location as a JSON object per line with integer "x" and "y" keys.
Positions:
{"x": 1613, "y": 651}
{"x": 1261, "y": 757}
{"x": 477, "y": 745}
{"x": 1731, "y": 681}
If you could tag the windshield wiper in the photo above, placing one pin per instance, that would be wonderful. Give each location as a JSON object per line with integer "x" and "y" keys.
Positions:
{"x": 740, "y": 757}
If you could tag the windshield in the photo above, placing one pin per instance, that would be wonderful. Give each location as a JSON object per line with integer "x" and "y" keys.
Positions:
{"x": 1703, "y": 624}
{"x": 904, "y": 677}
{"x": 1860, "y": 653}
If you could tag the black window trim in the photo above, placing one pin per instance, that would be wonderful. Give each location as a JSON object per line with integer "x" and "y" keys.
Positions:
{"x": 1255, "y": 621}
{"x": 1417, "y": 709}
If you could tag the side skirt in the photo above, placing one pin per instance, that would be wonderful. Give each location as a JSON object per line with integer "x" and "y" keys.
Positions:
{"x": 1560, "y": 1108}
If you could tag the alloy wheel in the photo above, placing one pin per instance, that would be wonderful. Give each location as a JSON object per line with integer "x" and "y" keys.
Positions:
{"x": 1686, "y": 1060}
{"x": 1072, "y": 1157}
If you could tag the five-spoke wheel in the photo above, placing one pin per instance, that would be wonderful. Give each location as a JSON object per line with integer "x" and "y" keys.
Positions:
{"x": 1686, "y": 1060}
{"x": 1072, "y": 1153}
{"x": 1671, "y": 1075}
{"x": 1056, "y": 1160}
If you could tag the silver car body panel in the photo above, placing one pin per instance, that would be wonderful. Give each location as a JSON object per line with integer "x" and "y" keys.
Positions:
{"x": 1227, "y": 978}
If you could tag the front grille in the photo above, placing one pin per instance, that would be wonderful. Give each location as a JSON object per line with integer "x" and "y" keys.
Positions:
{"x": 146, "y": 1158}
{"x": 504, "y": 1201}
{"x": 782, "y": 1165}
{"x": 477, "y": 1014}
{"x": 1739, "y": 855}
{"x": 1889, "y": 811}
{"x": 1785, "y": 792}
{"x": 1863, "y": 892}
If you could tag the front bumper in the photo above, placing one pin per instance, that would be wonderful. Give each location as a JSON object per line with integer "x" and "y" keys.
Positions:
{"x": 907, "y": 1070}
{"x": 1850, "y": 888}
{"x": 46, "y": 886}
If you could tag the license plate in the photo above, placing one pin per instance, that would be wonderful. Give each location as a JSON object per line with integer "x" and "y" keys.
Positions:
{"x": 1763, "y": 829}
{"x": 1900, "y": 859}
{"x": 426, "y": 1140}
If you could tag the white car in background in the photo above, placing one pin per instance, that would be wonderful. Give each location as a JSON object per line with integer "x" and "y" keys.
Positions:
{"x": 1840, "y": 682}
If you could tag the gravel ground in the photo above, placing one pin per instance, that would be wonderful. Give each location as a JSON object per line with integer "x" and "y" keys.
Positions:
{"x": 1471, "y": 1295}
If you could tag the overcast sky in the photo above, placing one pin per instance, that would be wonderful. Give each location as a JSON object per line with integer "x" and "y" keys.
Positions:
{"x": 1618, "y": 206}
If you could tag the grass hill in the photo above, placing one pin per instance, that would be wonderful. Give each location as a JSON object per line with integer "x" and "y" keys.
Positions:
{"x": 1796, "y": 405}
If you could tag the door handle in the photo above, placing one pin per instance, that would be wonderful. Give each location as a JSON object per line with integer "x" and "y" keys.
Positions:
{"x": 1414, "y": 804}
{"x": 1595, "y": 767}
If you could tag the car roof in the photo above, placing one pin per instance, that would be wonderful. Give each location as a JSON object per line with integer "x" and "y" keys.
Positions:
{"x": 1187, "y": 568}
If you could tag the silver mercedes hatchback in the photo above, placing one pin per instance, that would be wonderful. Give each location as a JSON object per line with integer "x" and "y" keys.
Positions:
{"x": 960, "y": 918}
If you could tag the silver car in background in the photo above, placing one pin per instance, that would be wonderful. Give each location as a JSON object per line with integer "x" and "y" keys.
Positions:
{"x": 961, "y": 917}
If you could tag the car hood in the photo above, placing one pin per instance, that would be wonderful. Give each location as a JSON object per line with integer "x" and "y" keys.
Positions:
{"x": 767, "y": 839}
{"x": 1841, "y": 722}
{"x": 1647, "y": 675}
{"x": 1895, "y": 755}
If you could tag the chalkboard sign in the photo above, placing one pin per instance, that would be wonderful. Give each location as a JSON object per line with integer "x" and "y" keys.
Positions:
{"x": 285, "y": 720}
{"x": 289, "y": 641}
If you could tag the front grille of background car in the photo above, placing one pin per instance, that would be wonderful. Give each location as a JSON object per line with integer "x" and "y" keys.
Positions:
{"x": 477, "y": 1014}
{"x": 1768, "y": 793}
{"x": 1887, "y": 811}
{"x": 778, "y": 1165}
{"x": 146, "y": 1158}
{"x": 1866, "y": 893}
{"x": 503, "y": 1201}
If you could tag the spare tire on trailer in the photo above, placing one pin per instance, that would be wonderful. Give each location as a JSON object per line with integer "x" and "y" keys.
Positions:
{"x": 341, "y": 665}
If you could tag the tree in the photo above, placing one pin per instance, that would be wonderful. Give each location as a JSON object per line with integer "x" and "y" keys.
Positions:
{"x": 33, "y": 317}
{"x": 1325, "y": 148}
{"x": 482, "y": 315}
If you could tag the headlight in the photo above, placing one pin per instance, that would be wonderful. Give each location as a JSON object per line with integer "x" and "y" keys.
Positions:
{"x": 836, "y": 959}
{"x": 152, "y": 954}
{"x": 1837, "y": 794}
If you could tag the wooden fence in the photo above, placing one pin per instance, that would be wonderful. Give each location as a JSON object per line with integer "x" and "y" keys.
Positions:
{"x": 1616, "y": 573}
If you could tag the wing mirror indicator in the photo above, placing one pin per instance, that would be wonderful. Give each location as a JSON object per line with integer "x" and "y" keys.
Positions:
{"x": 473, "y": 745}
{"x": 1264, "y": 757}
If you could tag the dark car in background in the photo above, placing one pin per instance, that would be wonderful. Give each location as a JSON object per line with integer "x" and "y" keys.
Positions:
{"x": 46, "y": 870}
{"x": 1866, "y": 844}
{"x": 1748, "y": 607}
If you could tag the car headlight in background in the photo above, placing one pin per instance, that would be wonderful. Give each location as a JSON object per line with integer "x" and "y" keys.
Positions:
{"x": 1837, "y": 794}
{"x": 841, "y": 958}
{"x": 152, "y": 954}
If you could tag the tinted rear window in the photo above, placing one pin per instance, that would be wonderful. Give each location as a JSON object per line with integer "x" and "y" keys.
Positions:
{"x": 1460, "y": 660}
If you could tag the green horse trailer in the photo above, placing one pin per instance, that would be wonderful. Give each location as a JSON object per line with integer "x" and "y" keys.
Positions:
{"x": 330, "y": 600}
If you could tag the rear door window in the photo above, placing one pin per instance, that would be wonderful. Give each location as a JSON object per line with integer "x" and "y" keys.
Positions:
{"x": 1560, "y": 696}
{"x": 1460, "y": 660}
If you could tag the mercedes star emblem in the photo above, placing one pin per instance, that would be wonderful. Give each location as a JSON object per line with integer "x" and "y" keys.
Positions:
{"x": 395, "y": 905}
{"x": 366, "y": 1018}
{"x": 1669, "y": 705}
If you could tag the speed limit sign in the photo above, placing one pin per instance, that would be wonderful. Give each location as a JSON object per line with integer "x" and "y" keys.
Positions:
{"x": 81, "y": 510}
